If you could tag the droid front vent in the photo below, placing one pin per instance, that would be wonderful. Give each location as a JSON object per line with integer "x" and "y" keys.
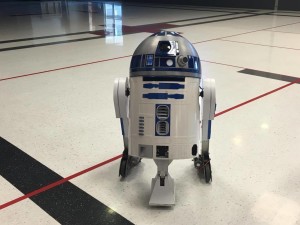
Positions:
{"x": 141, "y": 125}
{"x": 162, "y": 127}
{"x": 162, "y": 112}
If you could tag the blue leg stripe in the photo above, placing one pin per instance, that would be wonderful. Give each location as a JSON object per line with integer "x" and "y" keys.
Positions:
{"x": 209, "y": 129}
{"x": 122, "y": 126}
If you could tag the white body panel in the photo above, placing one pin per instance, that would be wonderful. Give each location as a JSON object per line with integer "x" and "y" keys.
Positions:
{"x": 184, "y": 119}
{"x": 208, "y": 103}
{"x": 121, "y": 106}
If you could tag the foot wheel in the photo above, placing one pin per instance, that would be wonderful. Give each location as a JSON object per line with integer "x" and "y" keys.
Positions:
{"x": 207, "y": 172}
{"x": 123, "y": 168}
{"x": 127, "y": 162}
{"x": 202, "y": 164}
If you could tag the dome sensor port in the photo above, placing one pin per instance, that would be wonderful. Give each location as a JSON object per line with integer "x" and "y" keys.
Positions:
{"x": 182, "y": 60}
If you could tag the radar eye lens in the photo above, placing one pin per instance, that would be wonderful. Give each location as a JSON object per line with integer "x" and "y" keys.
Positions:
{"x": 165, "y": 46}
{"x": 182, "y": 60}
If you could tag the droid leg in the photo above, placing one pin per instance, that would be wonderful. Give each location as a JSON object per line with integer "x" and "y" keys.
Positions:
{"x": 208, "y": 106}
{"x": 121, "y": 93}
{"x": 205, "y": 159}
{"x": 162, "y": 187}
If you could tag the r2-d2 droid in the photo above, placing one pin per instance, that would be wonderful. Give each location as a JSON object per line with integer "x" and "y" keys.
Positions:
{"x": 165, "y": 108}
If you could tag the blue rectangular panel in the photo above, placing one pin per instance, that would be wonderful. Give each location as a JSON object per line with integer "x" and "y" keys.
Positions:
{"x": 191, "y": 62}
{"x": 149, "y": 60}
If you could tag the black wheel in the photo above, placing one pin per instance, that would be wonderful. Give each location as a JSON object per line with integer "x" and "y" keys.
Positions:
{"x": 195, "y": 162}
{"x": 207, "y": 173}
{"x": 123, "y": 168}
{"x": 194, "y": 150}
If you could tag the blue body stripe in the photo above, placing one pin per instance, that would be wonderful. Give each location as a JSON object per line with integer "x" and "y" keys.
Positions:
{"x": 173, "y": 86}
{"x": 122, "y": 126}
{"x": 163, "y": 96}
{"x": 164, "y": 78}
{"x": 209, "y": 129}
{"x": 165, "y": 69}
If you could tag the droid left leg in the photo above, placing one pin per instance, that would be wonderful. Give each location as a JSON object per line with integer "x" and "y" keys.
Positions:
{"x": 121, "y": 93}
{"x": 208, "y": 108}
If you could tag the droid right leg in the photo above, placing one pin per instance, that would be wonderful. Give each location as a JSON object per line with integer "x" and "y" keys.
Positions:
{"x": 208, "y": 107}
{"x": 202, "y": 162}
{"x": 121, "y": 93}
{"x": 204, "y": 157}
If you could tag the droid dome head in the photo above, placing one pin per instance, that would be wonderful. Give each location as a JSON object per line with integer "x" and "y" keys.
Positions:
{"x": 165, "y": 53}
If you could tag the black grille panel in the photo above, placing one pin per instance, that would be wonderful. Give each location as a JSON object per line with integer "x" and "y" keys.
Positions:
{"x": 162, "y": 119}
{"x": 162, "y": 112}
{"x": 162, "y": 127}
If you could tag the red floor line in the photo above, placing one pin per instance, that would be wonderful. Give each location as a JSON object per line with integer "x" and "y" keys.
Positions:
{"x": 52, "y": 185}
{"x": 223, "y": 64}
{"x": 258, "y": 97}
{"x": 99, "y": 61}
{"x": 248, "y": 32}
{"x": 286, "y": 32}
{"x": 38, "y": 191}
{"x": 63, "y": 68}
{"x": 272, "y": 46}
{"x": 104, "y": 60}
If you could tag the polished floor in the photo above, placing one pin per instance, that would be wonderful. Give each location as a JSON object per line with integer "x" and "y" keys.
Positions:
{"x": 60, "y": 143}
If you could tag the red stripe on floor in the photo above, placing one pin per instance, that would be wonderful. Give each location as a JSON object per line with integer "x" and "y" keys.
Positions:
{"x": 104, "y": 60}
{"x": 258, "y": 97}
{"x": 248, "y": 32}
{"x": 285, "y": 32}
{"x": 63, "y": 68}
{"x": 272, "y": 46}
{"x": 38, "y": 191}
{"x": 223, "y": 64}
